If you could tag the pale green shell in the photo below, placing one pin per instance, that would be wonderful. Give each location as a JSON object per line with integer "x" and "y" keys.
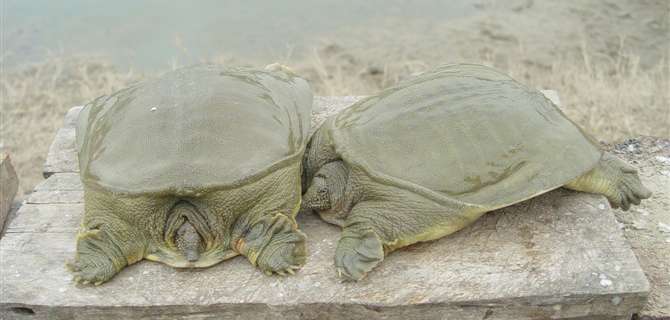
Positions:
{"x": 468, "y": 132}
{"x": 193, "y": 129}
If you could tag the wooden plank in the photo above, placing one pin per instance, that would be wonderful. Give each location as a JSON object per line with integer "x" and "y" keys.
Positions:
{"x": 62, "y": 155}
{"x": 559, "y": 255}
{"x": 9, "y": 186}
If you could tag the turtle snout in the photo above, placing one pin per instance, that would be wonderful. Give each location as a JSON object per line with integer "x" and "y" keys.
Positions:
{"x": 317, "y": 196}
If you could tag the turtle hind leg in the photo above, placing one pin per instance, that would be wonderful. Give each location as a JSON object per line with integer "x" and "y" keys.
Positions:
{"x": 615, "y": 179}
{"x": 97, "y": 258}
{"x": 105, "y": 245}
{"x": 272, "y": 242}
{"x": 104, "y": 251}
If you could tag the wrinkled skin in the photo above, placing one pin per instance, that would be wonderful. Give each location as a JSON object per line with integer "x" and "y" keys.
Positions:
{"x": 121, "y": 230}
{"x": 195, "y": 218}
{"x": 385, "y": 201}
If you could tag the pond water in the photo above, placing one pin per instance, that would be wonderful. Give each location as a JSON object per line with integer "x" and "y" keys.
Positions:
{"x": 153, "y": 34}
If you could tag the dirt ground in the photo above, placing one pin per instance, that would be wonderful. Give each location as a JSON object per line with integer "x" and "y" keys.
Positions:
{"x": 647, "y": 227}
{"x": 609, "y": 60}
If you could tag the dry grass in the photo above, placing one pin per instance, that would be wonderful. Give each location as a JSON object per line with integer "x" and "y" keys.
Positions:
{"x": 612, "y": 98}
{"x": 34, "y": 100}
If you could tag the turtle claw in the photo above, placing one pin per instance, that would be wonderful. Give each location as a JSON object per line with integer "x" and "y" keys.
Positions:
{"x": 290, "y": 271}
{"x": 86, "y": 273}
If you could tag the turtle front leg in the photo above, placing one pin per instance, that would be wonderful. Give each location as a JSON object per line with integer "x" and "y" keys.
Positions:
{"x": 359, "y": 250}
{"x": 273, "y": 244}
{"x": 615, "y": 179}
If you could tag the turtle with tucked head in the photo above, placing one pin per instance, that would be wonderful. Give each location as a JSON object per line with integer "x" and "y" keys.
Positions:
{"x": 427, "y": 157}
{"x": 192, "y": 168}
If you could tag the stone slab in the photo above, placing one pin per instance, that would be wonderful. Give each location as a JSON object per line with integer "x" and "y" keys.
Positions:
{"x": 9, "y": 186}
{"x": 557, "y": 256}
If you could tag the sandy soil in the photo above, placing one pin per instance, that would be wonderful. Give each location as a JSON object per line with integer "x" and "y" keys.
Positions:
{"x": 535, "y": 32}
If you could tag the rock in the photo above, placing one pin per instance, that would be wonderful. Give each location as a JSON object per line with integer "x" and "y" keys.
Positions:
{"x": 9, "y": 185}
{"x": 663, "y": 160}
{"x": 557, "y": 256}
{"x": 639, "y": 225}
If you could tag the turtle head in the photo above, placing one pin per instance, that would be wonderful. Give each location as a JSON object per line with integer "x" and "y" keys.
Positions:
{"x": 327, "y": 188}
{"x": 317, "y": 196}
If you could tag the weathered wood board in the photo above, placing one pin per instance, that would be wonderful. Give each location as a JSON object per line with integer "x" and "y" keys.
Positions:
{"x": 558, "y": 256}
{"x": 9, "y": 185}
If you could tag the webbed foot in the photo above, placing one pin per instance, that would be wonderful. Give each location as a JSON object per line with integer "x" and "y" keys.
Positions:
{"x": 357, "y": 253}
{"x": 275, "y": 246}
{"x": 92, "y": 264}
{"x": 627, "y": 189}
{"x": 285, "y": 254}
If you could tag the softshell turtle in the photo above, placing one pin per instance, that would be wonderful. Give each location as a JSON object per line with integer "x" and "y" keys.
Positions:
{"x": 429, "y": 156}
{"x": 192, "y": 168}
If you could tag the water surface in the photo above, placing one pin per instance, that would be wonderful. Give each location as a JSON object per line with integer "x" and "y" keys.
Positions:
{"x": 153, "y": 34}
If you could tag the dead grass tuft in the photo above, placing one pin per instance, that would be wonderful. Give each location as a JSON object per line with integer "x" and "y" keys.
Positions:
{"x": 612, "y": 98}
{"x": 34, "y": 100}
